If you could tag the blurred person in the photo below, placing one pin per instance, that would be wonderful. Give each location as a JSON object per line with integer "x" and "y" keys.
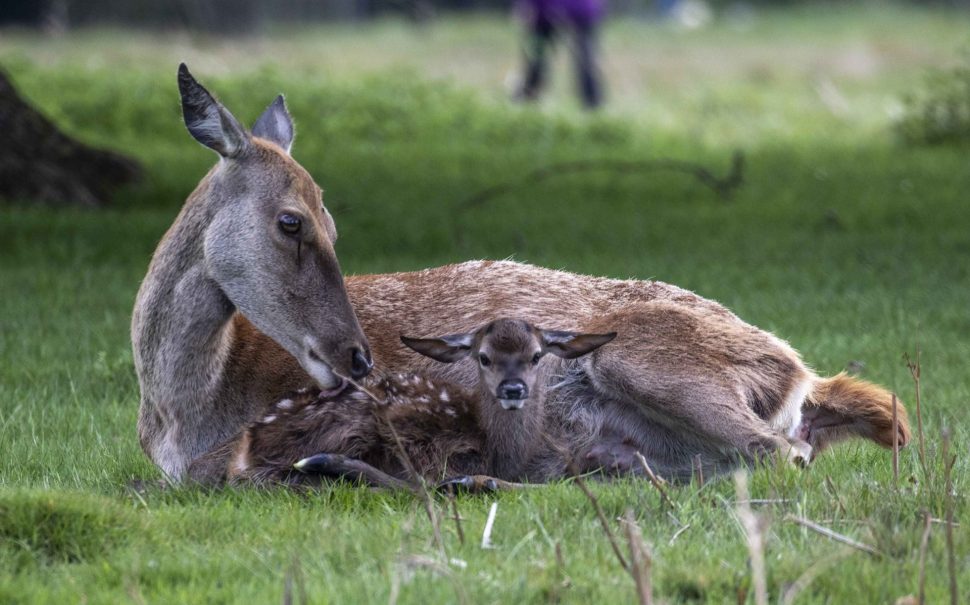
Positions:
{"x": 545, "y": 20}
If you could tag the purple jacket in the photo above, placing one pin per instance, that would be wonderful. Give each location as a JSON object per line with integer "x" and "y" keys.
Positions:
{"x": 575, "y": 12}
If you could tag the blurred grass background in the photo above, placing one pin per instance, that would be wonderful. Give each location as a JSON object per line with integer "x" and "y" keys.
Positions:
{"x": 844, "y": 239}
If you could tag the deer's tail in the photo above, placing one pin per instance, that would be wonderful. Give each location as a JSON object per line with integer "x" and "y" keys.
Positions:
{"x": 843, "y": 406}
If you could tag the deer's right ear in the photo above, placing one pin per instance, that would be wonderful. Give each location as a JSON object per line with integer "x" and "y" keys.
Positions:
{"x": 447, "y": 349}
{"x": 207, "y": 121}
{"x": 276, "y": 125}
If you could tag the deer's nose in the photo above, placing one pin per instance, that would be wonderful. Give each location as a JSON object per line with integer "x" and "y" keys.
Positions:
{"x": 512, "y": 389}
{"x": 360, "y": 363}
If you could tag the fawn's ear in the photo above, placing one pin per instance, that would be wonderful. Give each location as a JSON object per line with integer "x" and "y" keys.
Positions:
{"x": 276, "y": 125}
{"x": 207, "y": 120}
{"x": 447, "y": 349}
{"x": 570, "y": 345}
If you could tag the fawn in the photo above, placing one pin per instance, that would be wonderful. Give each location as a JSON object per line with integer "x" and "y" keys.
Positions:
{"x": 435, "y": 427}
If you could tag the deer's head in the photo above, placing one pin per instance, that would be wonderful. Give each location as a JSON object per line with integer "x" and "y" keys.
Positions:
{"x": 508, "y": 352}
{"x": 268, "y": 240}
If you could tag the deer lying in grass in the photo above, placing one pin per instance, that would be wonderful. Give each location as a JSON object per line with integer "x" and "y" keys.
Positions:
{"x": 434, "y": 426}
{"x": 244, "y": 301}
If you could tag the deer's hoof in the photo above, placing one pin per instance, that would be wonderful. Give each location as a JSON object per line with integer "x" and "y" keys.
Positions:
{"x": 474, "y": 484}
{"x": 800, "y": 453}
{"x": 321, "y": 464}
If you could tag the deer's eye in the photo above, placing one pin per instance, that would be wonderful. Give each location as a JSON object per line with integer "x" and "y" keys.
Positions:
{"x": 289, "y": 224}
{"x": 536, "y": 358}
{"x": 484, "y": 360}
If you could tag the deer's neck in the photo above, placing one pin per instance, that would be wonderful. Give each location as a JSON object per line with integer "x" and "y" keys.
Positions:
{"x": 181, "y": 335}
{"x": 511, "y": 436}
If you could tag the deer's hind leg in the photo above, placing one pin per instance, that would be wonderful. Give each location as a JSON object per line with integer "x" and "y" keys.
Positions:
{"x": 696, "y": 381}
{"x": 479, "y": 484}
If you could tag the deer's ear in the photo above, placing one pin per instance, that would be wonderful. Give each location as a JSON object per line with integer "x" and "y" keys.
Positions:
{"x": 207, "y": 121}
{"x": 570, "y": 345}
{"x": 276, "y": 125}
{"x": 447, "y": 349}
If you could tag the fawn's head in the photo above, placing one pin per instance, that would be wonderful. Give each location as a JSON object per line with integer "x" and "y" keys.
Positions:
{"x": 268, "y": 240}
{"x": 508, "y": 352}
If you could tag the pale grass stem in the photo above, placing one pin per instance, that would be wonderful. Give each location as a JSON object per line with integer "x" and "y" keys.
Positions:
{"x": 581, "y": 483}
{"x": 655, "y": 480}
{"x": 833, "y": 535}
{"x": 754, "y": 533}
{"x": 418, "y": 480}
{"x": 948, "y": 463}
{"x": 640, "y": 560}
{"x": 895, "y": 443}
{"x": 923, "y": 546}
{"x": 915, "y": 369}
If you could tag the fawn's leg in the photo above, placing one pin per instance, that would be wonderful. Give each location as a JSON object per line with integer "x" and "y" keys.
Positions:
{"x": 479, "y": 484}
{"x": 337, "y": 465}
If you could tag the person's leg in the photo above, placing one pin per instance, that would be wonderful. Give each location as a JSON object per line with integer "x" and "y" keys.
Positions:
{"x": 587, "y": 74}
{"x": 541, "y": 33}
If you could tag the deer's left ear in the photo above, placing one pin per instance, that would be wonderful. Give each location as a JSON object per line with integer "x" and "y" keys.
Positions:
{"x": 570, "y": 345}
{"x": 207, "y": 120}
{"x": 276, "y": 125}
{"x": 447, "y": 349}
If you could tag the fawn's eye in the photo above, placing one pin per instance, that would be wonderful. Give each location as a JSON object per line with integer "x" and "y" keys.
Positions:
{"x": 289, "y": 224}
{"x": 536, "y": 358}
{"x": 484, "y": 360}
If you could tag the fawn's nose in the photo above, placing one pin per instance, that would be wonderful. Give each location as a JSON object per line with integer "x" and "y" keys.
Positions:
{"x": 360, "y": 363}
{"x": 512, "y": 389}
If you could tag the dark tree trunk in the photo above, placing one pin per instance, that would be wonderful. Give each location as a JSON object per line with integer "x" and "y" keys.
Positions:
{"x": 39, "y": 163}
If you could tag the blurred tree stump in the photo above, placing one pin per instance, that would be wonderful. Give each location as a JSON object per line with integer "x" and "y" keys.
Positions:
{"x": 39, "y": 163}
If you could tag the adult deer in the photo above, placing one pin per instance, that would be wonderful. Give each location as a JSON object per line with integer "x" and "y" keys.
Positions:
{"x": 244, "y": 302}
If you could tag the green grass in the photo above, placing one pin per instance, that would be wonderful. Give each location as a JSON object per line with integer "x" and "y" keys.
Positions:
{"x": 847, "y": 243}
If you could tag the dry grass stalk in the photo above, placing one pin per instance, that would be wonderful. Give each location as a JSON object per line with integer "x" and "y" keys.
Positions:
{"x": 833, "y": 535}
{"x": 830, "y": 486}
{"x": 677, "y": 534}
{"x": 915, "y": 369}
{"x": 601, "y": 516}
{"x": 560, "y": 579}
{"x": 948, "y": 463}
{"x": 698, "y": 470}
{"x": 413, "y": 562}
{"x": 294, "y": 576}
{"x": 754, "y": 532}
{"x": 640, "y": 560}
{"x": 456, "y": 517}
{"x": 657, "y": 482}
{"x": 895, "y": 444}
{"x": 722, "y": 186}
{"x": 809, "y": 575}
{"x": 923, "y": 546}
{"x": 420, "y": 486}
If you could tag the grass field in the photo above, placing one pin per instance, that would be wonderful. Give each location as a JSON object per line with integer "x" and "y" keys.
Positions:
{"x": 849, "y": 244}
